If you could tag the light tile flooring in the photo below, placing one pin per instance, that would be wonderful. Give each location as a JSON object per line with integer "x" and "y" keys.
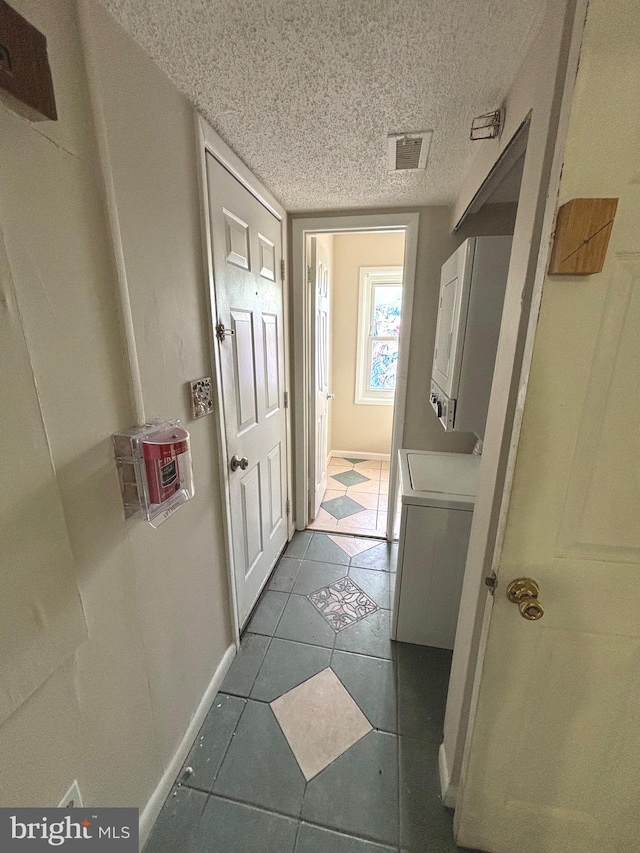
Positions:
{"x": 324, "y": 737}
{"x": 355, "y": 500}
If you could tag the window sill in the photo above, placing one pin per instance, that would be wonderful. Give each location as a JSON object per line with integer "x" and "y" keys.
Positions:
{"x": 374, "y": 401}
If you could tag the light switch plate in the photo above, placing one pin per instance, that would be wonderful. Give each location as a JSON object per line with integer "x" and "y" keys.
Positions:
{"x": 201, "y": 397}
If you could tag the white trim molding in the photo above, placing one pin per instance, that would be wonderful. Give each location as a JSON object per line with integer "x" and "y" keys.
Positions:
{"x": 370, "y": 278}
{"x": 152, "y": 809}
{"x": 359, "y": 454}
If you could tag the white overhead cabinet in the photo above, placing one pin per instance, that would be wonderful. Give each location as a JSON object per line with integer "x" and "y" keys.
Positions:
{"x": 472, "y": 287}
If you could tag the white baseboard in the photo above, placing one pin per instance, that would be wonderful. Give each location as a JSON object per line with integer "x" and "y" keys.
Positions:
{"x": 359, "y": 454}
{"x": 156, "y": 801}
{"x": 449, "y": 792}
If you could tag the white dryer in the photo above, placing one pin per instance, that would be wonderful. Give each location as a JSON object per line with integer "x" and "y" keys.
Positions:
{"x": 438, "y": 496}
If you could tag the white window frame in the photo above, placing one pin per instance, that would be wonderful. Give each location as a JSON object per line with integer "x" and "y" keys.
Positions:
{"x": 369, "y": 278}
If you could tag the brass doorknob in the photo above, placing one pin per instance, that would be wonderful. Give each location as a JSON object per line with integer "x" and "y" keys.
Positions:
{"x": 524, "y": 593}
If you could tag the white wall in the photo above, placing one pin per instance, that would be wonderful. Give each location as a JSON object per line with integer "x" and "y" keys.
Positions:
{"x": 155, "y": 602}
{"x": 365, "y": 429}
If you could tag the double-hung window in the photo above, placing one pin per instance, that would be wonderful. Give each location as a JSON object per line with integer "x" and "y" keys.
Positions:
{"x": 379, "y": 308}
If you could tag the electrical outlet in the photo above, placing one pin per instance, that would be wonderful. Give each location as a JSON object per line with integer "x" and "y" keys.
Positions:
{"x": 73, "y": 798}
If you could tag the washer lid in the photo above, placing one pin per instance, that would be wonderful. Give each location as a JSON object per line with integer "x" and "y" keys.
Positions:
{"x": 439, "y": 479}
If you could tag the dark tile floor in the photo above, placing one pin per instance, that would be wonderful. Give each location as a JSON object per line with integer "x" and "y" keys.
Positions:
{"x": 247, "y": 793}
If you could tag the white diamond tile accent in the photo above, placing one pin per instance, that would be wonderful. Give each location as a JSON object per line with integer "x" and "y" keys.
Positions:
{"x": 353, "y": 547}
{"x": 320, "y": 721}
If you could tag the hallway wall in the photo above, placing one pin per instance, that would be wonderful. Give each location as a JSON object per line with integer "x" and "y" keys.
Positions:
{"x": 155, "y": 601}
{"x": 360, "y": 428}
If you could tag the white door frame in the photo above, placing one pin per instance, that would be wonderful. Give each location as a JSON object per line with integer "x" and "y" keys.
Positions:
{"x": 301, "y": 228}
{"x": 534, "y": 227}
{"x": 208, "y": 141}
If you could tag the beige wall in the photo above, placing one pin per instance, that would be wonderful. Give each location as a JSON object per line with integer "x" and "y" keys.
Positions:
{"x": 155, "y": 602}
{"x": 364, "y": 429}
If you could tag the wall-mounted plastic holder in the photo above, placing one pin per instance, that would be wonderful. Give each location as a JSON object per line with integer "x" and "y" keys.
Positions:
{"x": 154, "y": 468}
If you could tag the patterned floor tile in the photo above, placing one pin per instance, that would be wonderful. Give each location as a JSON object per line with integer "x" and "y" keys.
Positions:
{"x": 268, "y": 612}
{"x": 370, "y": 636}
{"x": 334, "y": 484}
{"x": 342, "y": 603}
{"x": 302, "y": 622}
{"x": 382, "y": 558}
{"x": 286, "y": 665}
{"x": 425, "y": 825}
{"x": 363, "y": 522}
{"x": 285, "y": 574}
{"x": 177, "y": 822}
{"x": 375, "y": 584}
{"x": 259, "y": 767}
{"x": 236, "y": 828}
{"x": 358, "y": 793}
{"x": 342, "y": 507}
{"x": 298, "y": 545}
{"x": 246, "y": 664}
{"x": 381, "y": 524}
{"x": 324, "y": 549}
{"x": 338, "y": 468}
{"x": 367, "y": 465}
{"x": 316, "y": 839}
{"x": 320, "y": 721}
{"x": 369, "y": 500}
{"x": 212, "y": 742}
{"x": 351, "y": 478}
{"x": 372, "y": 683}
{"x": 354, "y": 461}
{"x": 333, "y": 493}
{"x": 351, "y": 806}
{"x": 323, "y": 521}
{"x": 313, "y": 575}
{"x": 353, "y": 546}
{"x": 423, "y": 682}
{"x": 372, "y": 486}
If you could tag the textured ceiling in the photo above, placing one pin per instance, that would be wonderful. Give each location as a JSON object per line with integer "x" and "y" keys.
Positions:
{"x": 306, "y": 91}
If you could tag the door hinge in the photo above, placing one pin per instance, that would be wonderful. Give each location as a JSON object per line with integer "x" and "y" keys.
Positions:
{"x": 288, "y": 507}
{"x": 286, "y": 399}
{"x": 309, "y": 275}
{"x": 492, "y": 582}
{"x": 282, "y": 268}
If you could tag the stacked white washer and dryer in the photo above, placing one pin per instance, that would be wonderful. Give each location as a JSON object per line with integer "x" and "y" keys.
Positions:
{"x": 438, "y": 490}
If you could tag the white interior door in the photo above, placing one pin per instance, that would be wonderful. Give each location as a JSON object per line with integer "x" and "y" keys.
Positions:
{"x": 320, "y": 287}
{"x": 247, "y": 252}
{"x": 554, "y": 763}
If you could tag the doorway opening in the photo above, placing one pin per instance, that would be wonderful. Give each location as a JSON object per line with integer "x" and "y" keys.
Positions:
{"x": 352, "y": 320}
{"x": 356, "y": 283}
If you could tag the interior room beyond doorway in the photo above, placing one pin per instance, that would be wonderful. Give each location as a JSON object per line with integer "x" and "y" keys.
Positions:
{"x": 364, "y": 286}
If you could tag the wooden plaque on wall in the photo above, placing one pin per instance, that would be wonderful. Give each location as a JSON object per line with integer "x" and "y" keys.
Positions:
{"x": 25, "y": 76}
{"x": 583, "y": 228}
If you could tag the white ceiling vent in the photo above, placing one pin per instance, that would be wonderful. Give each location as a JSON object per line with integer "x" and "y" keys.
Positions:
{"x": 408, "y": 150}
